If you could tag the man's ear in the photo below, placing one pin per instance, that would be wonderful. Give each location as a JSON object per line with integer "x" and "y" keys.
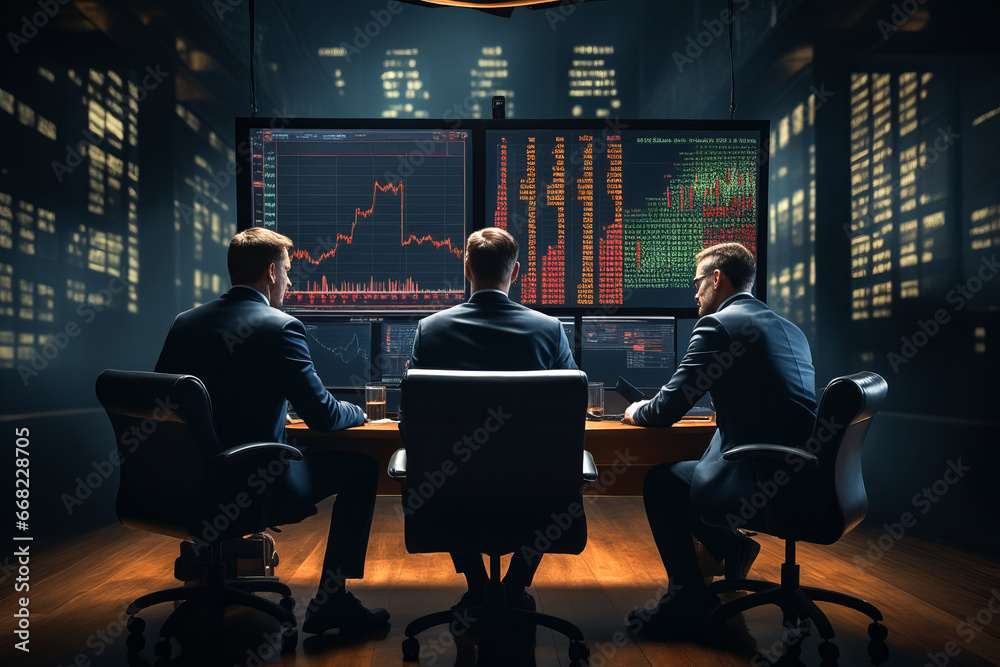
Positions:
{"x": 515, "y": 272}
{"x": 468, "y": 272}
{"x": 272, "y": 273}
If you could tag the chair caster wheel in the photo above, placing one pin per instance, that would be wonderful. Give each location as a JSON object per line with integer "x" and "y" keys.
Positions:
{"x": 136, "y": 625}
{"x": 578, "y": 651}
{"x": 878, "y": 632}
{"x": 878, "y": 652}
{"x": 289, "y": 639}
{"x": 828, "y": 651}
{"x": 287, "y": 603}
{"x": 135, "y": 643}
{"x": 411, "y": 648}
{"x": 162, "y": 649}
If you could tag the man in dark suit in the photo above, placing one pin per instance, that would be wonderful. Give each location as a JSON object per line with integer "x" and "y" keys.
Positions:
{"x": 491, "y": 332}
{"x": 252, "y": 357}
{"x": 758, "y": 368}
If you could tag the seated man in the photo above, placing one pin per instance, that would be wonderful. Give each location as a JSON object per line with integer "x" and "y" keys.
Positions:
{"x": 758, "y": 369}
{"x": 490, "y": 332}
{"x": 252, "y": 357}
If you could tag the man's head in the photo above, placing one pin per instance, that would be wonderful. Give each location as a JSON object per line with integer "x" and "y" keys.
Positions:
{"x": 259, "y": 258}
{"x": 491, "y": 259}
{"x": 721, "y": 271}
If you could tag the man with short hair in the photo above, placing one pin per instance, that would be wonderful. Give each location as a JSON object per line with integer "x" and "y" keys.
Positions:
{"x": 253, "y": 358}
{"x": 758, "y": 368}
{"x": 491, "y": 332}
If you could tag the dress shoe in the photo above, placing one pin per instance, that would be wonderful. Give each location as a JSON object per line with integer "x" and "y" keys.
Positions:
{"x": 679, "y": 616}
{"x": 740, "y": 558}
{"x": 344, "y": 612}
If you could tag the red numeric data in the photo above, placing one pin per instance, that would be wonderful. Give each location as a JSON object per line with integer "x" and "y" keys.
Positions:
{"x": 614, "y": 219}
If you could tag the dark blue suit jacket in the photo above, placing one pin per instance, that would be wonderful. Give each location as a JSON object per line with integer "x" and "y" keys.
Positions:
{"x": 758, "y": 369}
{"x": 252, "y": 357}
{"x": 490, "y": 333}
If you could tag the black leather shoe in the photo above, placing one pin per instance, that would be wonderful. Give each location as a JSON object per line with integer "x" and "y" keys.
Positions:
{"x": 681, "y": 616}
{"x": 740, "y": 558}
{"x": 344, "y": 612}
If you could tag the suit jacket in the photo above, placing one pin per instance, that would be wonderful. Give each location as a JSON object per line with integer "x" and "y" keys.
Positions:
{"x": 490, "y": 333}
{"x": 758, "y": 369}
{"x": 252, "y": 357}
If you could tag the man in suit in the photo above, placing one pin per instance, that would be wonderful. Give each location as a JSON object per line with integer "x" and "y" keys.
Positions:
{"x": 253, "y": 357}
{"x": 758, "y": 368}
{"x": 491, "y": 332}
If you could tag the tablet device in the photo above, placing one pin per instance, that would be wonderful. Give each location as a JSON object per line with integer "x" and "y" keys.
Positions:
{"x": 628, "y": 391}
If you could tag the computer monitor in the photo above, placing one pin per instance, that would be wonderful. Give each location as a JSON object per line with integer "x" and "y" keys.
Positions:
{"x": 611, "y": 214}
{"x": 341, "y": 352}
{"x": 643, "y": 350}
{"x": 396, "y": 343}
{"x": 377, "y": 209}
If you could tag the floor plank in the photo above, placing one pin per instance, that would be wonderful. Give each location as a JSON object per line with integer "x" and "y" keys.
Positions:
{"x": 926, "y": 591}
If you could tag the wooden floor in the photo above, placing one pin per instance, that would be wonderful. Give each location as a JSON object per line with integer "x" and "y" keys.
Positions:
{"x": 80, "y": 589}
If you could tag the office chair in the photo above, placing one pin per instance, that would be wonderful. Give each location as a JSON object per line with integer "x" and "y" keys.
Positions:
{"x": 818, "y": 497}
{"x": 177, "y": 480}
{"x": 492, "y": 462}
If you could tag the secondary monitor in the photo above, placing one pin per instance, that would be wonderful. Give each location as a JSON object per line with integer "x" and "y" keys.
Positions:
{"x": 643, "y": 350}
{"x": 341, "y": 352}
{"x": 396, "y": 343}
{"x": 611, "y": 214}
{"x": 378, "y": 210}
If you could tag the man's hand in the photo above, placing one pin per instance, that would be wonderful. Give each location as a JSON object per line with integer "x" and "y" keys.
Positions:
{"x": 629, "y": 416}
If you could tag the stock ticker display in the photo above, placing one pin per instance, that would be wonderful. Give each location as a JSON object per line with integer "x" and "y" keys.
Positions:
{"x": 615, "y": 218}
{"x": 378, "y": 217}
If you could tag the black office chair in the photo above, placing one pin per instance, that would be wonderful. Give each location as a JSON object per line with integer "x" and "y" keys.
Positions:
{"x": 819, "y": 496}
{"x": 492, "y": 462}
{"x": 177, "y": 480}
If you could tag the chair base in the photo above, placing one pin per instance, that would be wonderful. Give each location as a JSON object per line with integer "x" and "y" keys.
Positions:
{"x": 217, "y": 594}
{"x": 490, "y": 619}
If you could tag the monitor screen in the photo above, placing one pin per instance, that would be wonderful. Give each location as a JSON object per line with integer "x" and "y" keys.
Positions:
{"x": 377, "y": 210}
{"x": 643, "y": 350}
{"x": 341, "y": 352}
{"x": 396, "y": 343}
{"x": 612, "y": 214}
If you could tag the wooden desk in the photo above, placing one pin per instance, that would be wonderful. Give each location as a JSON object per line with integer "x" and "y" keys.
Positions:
{"x": 623, "y": 453}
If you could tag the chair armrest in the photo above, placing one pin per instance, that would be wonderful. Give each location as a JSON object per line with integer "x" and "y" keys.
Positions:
{"x": 263, "y": 450}
{"x": 773, "y": 452}
{"x": 397, "y": 465}
{"x": 589, "y": 467}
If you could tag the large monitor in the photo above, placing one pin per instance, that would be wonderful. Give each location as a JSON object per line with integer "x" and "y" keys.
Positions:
{"x": 378, "y": 210}
{"x": 643, "y": 350}
{"x": 609, "y": 215}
